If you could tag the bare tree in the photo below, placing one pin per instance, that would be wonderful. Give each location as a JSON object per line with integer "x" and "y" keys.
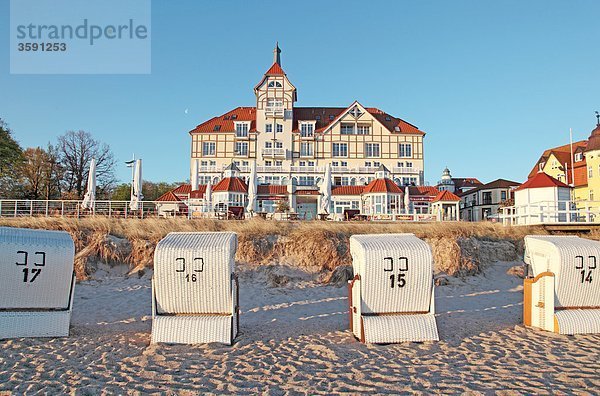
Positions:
{"x": 41, "y": 173}
{"x": 76, "y": 150}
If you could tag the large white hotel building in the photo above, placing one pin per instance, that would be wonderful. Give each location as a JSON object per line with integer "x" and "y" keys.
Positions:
{"x": 292, "y": 145}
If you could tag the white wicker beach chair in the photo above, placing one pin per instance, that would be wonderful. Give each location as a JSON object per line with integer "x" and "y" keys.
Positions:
{"x": 36, "y": 283}
{"x": 195, "y": 289}
{"x": 562, "y": 292}
{"x": 392, "y": 294}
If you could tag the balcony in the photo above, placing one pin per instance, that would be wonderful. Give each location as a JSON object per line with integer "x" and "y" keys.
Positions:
{"x": 404, "y": 170}
{"x": 275, "y": 111}
{"x": 306, "y": 169}
{"x": 273, "y": 152}
{"x": 270, "y": 169}
{"x": 210, "y": 169}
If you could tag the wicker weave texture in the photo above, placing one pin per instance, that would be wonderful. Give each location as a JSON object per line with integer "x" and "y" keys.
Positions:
{"x": 36, "y": 268}
{"x": 400, "y": 328}
{"x": 578, "y": 321}
{"x": 574, "y": 261}
{"x": 396, "y": 272}
{"x": 192, "y": 272}
{"x": 34, "y": 324}
{"x": 183, "y": 329}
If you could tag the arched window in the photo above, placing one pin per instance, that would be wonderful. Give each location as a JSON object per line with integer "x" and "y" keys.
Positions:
{"x": 275, "y": 84}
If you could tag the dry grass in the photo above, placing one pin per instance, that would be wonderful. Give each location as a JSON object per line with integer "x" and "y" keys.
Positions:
{"x": 306, "y": 244}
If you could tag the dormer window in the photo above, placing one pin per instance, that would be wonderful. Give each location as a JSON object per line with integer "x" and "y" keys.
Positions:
{"x": 578, "y": 157}
{"x": 307, "y": 129}
{"x": 241, "y": 129}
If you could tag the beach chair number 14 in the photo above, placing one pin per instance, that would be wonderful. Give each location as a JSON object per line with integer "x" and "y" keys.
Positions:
{"x": 396, "y": 280}
{"x": 31, "y": 274}
{"x": 586, "y": 276}
{"x": 197, "y": 263}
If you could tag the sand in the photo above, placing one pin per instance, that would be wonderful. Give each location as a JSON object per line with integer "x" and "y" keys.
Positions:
{"x": 294, "y": 340}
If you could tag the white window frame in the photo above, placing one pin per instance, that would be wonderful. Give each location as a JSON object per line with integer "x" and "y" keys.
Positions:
{"x": 340, "y": 152}
{"x": 372, "y": 150}
{"x": 307, "y": 129}
{"x": 211, "y": 151}
{"x": 242, "y": 129}
{"x": 405, "y": 150}
{"x": 241, "y": 148}
{"x": 307, "y": 149}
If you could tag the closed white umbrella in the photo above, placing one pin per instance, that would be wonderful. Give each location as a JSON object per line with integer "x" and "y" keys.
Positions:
{"x": 406, "y": 200}
{"x": 326, "y": 191}
{"x": 208, "y": 196}
{"x": 90, "y": 195}
{"x": 136, "y": 190}
{"x": 252, "y": 189}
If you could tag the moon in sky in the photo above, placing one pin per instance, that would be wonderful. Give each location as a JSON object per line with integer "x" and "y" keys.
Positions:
{"x": 185, "y": 111}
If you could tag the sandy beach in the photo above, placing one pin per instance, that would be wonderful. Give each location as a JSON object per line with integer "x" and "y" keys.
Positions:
{"x": 294, "y": 340}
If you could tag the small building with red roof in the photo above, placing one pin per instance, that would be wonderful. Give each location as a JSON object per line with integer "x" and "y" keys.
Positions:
{"x": 542, "y": 199}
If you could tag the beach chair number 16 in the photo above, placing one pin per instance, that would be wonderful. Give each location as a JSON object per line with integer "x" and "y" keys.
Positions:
{"x": 197, "y": 263}
{"x": 31, "y": 274}
{"x": 586, "y": 276}
{"x": 396, "y": 280}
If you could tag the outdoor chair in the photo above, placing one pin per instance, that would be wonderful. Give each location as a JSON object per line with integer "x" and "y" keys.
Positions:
{"x": 391, "y": 296}
{"x": 195, "y": 289}
{"x": 36, "y": 283}
{"x": 562, "y": 289}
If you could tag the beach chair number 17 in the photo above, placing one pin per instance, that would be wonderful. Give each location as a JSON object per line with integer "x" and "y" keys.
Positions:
{"x": 197, "y": 264}
{"x": 31, "y": 274}
{"x": 586, "y": 276}
{"x": 396, "y": 280}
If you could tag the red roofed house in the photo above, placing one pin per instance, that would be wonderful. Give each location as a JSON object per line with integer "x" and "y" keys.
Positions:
{"x": 540, "y": 200}
{"x": 446, "y": 206}
{"x": 483, "y": 202}
{"x": 292, "y": 145}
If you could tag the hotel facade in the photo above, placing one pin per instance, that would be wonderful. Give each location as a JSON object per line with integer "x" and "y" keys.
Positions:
{"x": 293, "y": 145}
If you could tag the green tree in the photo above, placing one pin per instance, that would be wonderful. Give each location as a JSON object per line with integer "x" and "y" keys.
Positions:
{"x": 122, "y": 192}
{"x": 11, "y": 159}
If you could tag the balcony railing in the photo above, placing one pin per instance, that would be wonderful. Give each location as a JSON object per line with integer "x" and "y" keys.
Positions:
{"x": 281, "y": 153}
{"x": 404, "y": 170}
{"x": 274, "y": 111}
{"x": 265, "y": 169}
{"x": 307, "y": 169}
{"x": 273, "y": 152}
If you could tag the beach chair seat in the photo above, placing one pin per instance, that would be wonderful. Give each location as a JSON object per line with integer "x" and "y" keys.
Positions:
{"x": 37, "y": 283}
{"x": 562, "y": 291}
{"x": 195, "y": 289}
{"x": 391, "y": 296}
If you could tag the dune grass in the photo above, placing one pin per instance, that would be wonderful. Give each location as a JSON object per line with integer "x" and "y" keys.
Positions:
{"x": 307, "y": 244}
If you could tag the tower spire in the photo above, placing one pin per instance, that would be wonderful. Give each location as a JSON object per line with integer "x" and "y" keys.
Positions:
{"x": 597, "y": 119}
{"x": 276, "y": 52}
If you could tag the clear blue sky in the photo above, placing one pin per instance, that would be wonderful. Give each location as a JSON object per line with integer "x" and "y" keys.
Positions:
{"x": 492, "y": 83}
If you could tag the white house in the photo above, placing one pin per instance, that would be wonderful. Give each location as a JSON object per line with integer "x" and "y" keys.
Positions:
{"x": 542, "y": 199}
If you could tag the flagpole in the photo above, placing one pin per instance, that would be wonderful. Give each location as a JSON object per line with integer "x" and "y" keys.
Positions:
{"x": 572, "y": 163}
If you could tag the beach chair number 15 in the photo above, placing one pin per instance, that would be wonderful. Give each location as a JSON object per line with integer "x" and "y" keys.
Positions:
{"x": 31, "y": 274}
{"x": 197, "y": 264}
{"x": 396, "y": 280}
{"x": 586, "y": 276}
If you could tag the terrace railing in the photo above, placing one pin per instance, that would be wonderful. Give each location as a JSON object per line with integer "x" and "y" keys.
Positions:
{"x": 74, "y": 208}
{"x": 546, "y": 212}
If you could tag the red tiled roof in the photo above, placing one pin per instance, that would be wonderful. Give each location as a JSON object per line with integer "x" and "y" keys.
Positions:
{"x": 446, "y": 196}
{"x": 271, "y": 190}
{"x": 347, "y": 190}
{"x": 594, "y": 140}
{"x": 169, "y": 196}
{"x": 307, "y": 192}
{"x": 540, "y": 180}
{"x": 382, "y": 186}
{"x": 580, "y": 175}
{"x": 465, "y": 182}
{"x": 226, "y": 122}
{"x": 423, "y": 190}
{"x": 562, "y": 154}
{"x": 199, "y": 193}
{"x": 231, "y": 184}
{"x": 276, "y": 70}
{"x": 327, "y": 115}
{"x": 183, "y": 189}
